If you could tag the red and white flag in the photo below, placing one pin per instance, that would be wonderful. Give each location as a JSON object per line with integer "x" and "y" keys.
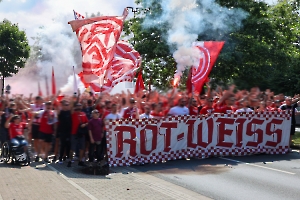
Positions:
{"x": 105, "y": 60}
{"x": 139, "y": 85}
{"x": 98, "y": 37}
{"x": 210, "y": 51}
{"x": 53, "y": 83}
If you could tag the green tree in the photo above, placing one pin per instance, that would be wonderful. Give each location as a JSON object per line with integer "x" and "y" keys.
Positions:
{"x": 158, "y": 64}
{"x": 14, "y": 49}
{"x": 264, "y": 52}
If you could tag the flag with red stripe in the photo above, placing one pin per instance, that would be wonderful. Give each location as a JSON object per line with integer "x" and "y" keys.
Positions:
{"x": 210, "y": 51}
{"x": 139, "y": 85}
{"x": 98, "y": 37}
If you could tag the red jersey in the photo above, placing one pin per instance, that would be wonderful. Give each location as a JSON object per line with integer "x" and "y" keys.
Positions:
{"x": 45, "y": 127}
{"x": 224, "y": 109}
{"x": 105, "y": 113}
{"x": 77, "y": 119}
{"x": 193, "y": 110}
{"x": 16, "y": 129}
{"x": 130, "y": 113}
{"x": 156, "y": 115}
{"x": 206, "y": 110}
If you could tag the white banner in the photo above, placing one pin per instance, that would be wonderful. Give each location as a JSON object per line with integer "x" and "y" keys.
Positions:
{"x": 144, "y": 141}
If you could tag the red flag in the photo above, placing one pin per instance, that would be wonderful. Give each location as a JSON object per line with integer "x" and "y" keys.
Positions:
{"x": 39, "y": 90}
{"x": 53, "y": 83}
{"x": 124, "y": 65}
{"x": 189, "y": 85}
{"x": 210, "y": 51}
{"x": 139, "y": 85}
{"x": 47, "y": 86}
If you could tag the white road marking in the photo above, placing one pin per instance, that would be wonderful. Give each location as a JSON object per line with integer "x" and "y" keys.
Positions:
{"x": 254, "y": 165}
{"x": 73, "y": 183}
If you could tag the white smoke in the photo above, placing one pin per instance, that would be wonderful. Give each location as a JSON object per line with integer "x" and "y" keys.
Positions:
{"x": 190, "y": 18}
{"x": 59, "y": 49}
{"x": 68, "y": 89}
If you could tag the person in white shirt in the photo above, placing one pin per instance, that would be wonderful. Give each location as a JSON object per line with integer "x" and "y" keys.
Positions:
{"x": 113, "y": 114}
{"x": 245, "y": 108}
{"x": 181, "y": 109}
{"x": 146, "y": 115}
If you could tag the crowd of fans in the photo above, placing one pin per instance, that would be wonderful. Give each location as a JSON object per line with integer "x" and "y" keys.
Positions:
{"x": 75, "y": 125}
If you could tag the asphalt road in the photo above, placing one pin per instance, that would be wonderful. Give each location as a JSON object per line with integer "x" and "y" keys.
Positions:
{"x": 250, "y": 177}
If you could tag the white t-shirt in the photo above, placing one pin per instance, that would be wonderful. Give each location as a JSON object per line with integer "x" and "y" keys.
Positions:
{"x": 145, "y": 116}
{"x": 36, "y": 108}
{"x": 112, "y": 116}
{"x": 246, "y": 110}
{"x": 177, "y": 110}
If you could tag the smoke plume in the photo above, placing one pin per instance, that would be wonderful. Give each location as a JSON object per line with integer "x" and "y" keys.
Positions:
{"x": 190, "y": 18}
{"x": 56, "y": 46}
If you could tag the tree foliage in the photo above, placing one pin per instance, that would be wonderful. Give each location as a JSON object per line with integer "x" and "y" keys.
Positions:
{"x": 14, "y": 49}
{"x": 264, "y": 52}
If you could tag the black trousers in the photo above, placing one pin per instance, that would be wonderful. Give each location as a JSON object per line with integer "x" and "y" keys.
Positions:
{"x": 99, "y": 152}
{"x": 65, "y": 145}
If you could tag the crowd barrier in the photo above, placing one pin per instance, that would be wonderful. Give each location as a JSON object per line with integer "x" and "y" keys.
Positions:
{"x": 176, "y": 137}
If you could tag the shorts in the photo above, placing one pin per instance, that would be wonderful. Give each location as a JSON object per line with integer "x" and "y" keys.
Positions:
{"x": 35, "y": 131}
{"x": 293, "y": 127}
{"x": 77, "y": 143}
{"x": 47, "y": 137}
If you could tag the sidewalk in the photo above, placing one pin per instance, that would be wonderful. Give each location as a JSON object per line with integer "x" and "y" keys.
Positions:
{"x": 56, "y": 181}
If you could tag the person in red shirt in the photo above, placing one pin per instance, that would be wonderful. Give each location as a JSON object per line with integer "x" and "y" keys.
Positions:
{"x": 131, "y": 112}
{"x": 193, "y": 107}
{"x": 79, "y": 118}
{"x": 207, "y": 109}
{"x": 228, "y": 108}
{"x": 157, "y": 111}
{"x": 16, "y": 128}
{"x": 47, "y": 128}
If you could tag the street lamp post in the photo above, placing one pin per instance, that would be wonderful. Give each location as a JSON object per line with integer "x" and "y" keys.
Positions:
{"x": 135, "y": 11}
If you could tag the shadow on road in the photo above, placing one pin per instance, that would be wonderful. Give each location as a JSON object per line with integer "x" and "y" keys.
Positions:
{"x": 212, "y": 165}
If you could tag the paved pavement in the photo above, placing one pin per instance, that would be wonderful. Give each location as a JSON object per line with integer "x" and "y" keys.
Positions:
{"x": 56, "y": 181}
{"x": 249, "y": 177}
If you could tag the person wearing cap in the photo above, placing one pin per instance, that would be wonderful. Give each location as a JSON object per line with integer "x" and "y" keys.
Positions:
{"x": 132, "y": 111}
{"x": 79, "y": 118}
{"x": 96, "y": 134}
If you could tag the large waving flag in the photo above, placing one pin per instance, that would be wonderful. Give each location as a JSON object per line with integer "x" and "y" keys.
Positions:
{"x": 124, "y": 65}
{"x": 106, "y": 60}
{"x": 98, "y": 37}
{"x": 210, "y": 51}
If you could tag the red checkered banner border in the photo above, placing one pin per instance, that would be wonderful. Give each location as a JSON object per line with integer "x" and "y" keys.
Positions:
{"x": 131, "y": 142}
